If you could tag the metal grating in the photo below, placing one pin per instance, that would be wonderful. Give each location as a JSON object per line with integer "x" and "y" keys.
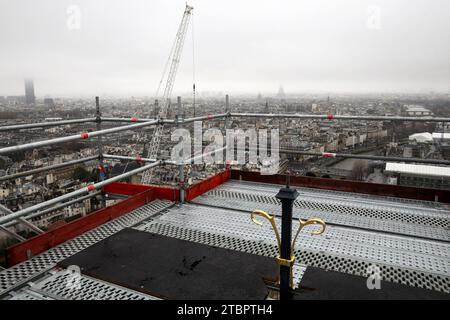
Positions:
{"x": 245, "y": 186}
{"x": 406, "y": 206}
{"x": 409, "y": 261}
{"x": 27, "y": 294}
{"x": 87, "y": 288}
{"x": 26, "y": 270}
{"x": 367, "y": 206}
{"x": 421, "y": 222}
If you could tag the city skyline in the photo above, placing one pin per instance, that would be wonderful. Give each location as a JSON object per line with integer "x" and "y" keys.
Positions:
{"x": 119, "y": 48}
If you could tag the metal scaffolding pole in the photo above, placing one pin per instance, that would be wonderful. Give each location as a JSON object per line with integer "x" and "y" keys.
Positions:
{"x": 99, "y": 128}
{"x": 356, "y": 156}
{"x": 227, "y": 123}
{"x": 45, "y": 124}
{"x": 54, "y": 208}
{"x": 168, "y": 162}
{"x": 12, "y": 234}
{"x": 165, "y": 121}
{"x": 126, "y": 119}
{"x": 208, "y": 117}
{"x": 227, "y": 112}
{"x": 81, "y": 136}
{"x": 26, "y": 223}
{"x": 102, "y": 173}
{"x": 238, "y": 115}
{"x": 181, "y": 165}
{"x": 76, "y": 193}
{"x": 365, "y": 157}
{"x": 309, "y": 153}
{"x": 47, "y": 168}
{"x": 30, "y": 225}
{"x": 337, "y": 117}
{"x": 138, "y": 159}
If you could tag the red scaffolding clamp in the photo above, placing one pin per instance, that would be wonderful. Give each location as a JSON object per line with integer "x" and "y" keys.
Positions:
{"x": 328, "y": 155}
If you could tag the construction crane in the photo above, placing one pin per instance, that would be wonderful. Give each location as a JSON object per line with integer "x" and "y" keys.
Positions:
{"x": 174, "y": 57}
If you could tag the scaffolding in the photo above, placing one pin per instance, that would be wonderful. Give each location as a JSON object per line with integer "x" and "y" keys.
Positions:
{"x": 9, "y": 218}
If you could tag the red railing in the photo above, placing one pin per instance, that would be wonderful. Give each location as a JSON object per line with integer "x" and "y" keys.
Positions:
{"x": 348, "y": 186}
{"x": 139, "y": 196}
{"x": 40, "y": 243}
{"x": 142, "y": 194}
{"x": 206, "y": 185}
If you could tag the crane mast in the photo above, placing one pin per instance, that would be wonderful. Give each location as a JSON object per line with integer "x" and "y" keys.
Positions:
{"x": 165, "y": 100}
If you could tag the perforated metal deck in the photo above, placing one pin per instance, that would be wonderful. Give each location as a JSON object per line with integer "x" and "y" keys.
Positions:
{"x": 406, "y": 217}
{"x": 411, "y": 261}
{"x": 57, "y": 286}
{"x": 407, "y": 239}
{"x": 26, "y": 271}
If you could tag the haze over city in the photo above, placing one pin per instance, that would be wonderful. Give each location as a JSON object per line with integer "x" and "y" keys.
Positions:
{"x": 119, "y": 48}
{"x": 148, "y": 147}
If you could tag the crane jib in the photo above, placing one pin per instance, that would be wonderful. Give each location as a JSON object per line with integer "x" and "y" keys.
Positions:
{"x": 175, "y": 61}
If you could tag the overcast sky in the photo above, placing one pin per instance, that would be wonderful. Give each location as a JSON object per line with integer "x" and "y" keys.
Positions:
{"x": 119, "y": 47}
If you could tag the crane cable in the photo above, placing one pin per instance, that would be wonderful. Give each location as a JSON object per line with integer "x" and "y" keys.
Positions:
{"x": 193, "y": 64}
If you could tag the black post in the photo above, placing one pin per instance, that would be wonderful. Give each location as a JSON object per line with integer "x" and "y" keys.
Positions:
{"x": 102, "y": 173}
{"x": 287, "y": 196}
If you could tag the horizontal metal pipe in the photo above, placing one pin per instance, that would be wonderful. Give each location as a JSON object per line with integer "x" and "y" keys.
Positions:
{"x": 116, "y": 157}
{"x": 365, "y": 157}
{"x": 208, "y": 117}
{"x": 81, "y": 136}
{"x": 76, "y": 193}
{"x": 311, "y": 153}
{"x": 223, "y": 115}
{"x": 337, "y": 117}
{"x": 299, "y": 152}
{"x": 162, "y": 121}
{"x": 47, "y": 168}
{"x": 188, "y": 161}
{"x": 358, "y": 156}
{"x": 45, "y": 124}
{"x": 133, "y": 119}
{"x": 57, "y": 207}
{"x": 168, "y": 121}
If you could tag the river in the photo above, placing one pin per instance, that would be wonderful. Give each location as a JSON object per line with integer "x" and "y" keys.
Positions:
{"x": 347, "y": 164}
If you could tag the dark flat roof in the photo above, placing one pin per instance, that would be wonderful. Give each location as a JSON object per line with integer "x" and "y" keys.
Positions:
{"x": 171, "y": 268}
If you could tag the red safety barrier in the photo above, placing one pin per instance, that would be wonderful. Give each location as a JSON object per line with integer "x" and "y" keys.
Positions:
{"x": 128, "y": 189}
{"x": 348, "y": 186}
{"x": 206, "y": 185}
{"x": 40, "y": 243}
{"x": 139, "y": 196}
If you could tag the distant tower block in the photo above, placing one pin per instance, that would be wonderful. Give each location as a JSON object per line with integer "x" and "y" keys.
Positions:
{"x": 29, "y": 92}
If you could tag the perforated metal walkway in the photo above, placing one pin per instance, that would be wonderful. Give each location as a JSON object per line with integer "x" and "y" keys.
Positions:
{"x": 44, "y": 264}
{"x": 406, "y": 260}
{"x": 408, "y": 240}
{"x": 422, "y": 219}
